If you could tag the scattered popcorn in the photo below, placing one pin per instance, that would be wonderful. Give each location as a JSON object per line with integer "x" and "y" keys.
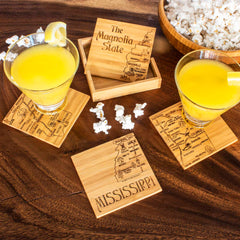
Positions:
{"x": 39, "y": 30}
{"x": 99, "y": 111}
{"x": 98, "y": 106}
{"x": 24, "y": 41}
{"x": 127, "y": 122}
{"x": 11, "y": 56}
{"x": 212, "y": 23}
{"x": 101, "y": 126}
{"x": 12, "y": 40}
{"x": 40, "y": 37}
{"x": 119, "y": 110}
{"x": 124, "y": 120}
{"x": 138, "y": 110}
{"x": 2, "y": 55}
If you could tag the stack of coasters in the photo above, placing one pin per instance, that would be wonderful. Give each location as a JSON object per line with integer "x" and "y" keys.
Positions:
{"x": 115, "y": 174}
{"x": 117, "y": 59}
{"x": 191, "y": 145}
{"x": 52, "y": 129}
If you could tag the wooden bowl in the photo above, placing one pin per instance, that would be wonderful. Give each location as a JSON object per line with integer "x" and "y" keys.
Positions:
{"x": 178, "y": 41}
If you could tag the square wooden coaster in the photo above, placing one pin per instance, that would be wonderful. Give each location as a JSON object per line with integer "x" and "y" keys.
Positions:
{"x": 115, "y": 174}
{"x": 188, "y": 144}
{"x": 120, "y": 50}
{"x": 52, "y": 129}
{"x": 102, "y": 88}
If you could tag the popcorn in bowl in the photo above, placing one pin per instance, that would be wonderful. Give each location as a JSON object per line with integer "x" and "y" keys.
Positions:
{"x": 212, "y": 24}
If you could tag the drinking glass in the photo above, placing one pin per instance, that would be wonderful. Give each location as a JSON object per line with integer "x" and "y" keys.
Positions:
{"x": 46, "y": 101}
{"x": 195, "y": 113}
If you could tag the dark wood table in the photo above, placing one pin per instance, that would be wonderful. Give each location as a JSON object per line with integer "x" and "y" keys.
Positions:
{"x": 41, "y": 196}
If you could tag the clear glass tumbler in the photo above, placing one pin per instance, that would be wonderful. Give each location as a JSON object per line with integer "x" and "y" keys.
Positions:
{"x": 46, "y": 100}
{"x": 204, "y": 91}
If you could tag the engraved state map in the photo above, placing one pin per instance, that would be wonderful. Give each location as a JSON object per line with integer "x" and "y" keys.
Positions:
{"x": 188, "y": 144}
{"x": 52, "y": 129}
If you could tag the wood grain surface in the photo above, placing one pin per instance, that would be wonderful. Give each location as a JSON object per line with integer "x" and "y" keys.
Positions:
{"x": 137, "y": 6}
{"x": 41, "y": 196}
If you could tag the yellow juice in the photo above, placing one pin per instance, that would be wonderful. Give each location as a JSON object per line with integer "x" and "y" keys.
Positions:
{"x": 204, "y": 82}
{"x": 44, "y": 73}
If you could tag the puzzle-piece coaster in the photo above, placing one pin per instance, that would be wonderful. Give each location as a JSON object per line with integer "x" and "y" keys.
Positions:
{"x": 188, "y": 144}
{"x": 115, "y": 174}
{"x": 52, "y": 129}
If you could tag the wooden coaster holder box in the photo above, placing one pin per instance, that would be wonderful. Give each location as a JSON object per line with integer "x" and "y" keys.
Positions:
{"x": 104, "y": 88}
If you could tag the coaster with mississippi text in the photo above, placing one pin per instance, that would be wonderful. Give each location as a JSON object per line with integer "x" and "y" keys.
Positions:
{"x": 188, "y": 144}
{"x": 115, "y": 174}
{"x": 52, "y": 129}
{"x": 120, "y": 50}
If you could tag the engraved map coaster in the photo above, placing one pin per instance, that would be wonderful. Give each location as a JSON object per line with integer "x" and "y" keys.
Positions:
{"x": 115, "y": 174}
{"x": 188, "y": 144}
{"x": 120, "y": 50}
{"x": 52, "y": 129}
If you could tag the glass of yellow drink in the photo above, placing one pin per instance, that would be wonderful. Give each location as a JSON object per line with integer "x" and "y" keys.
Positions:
{"x": 41, "y": 71}
{"x": 203, "y": 86}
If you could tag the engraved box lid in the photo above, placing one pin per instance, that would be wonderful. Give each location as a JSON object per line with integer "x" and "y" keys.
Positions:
{"x": 120, "y": 50}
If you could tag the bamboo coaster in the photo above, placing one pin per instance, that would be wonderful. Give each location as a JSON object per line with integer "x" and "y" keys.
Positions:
{"x": 115, "y": 175}
{"x": 120, "y": 50}
{"x": 52, "y": 129}
{"x": 188, "y": 144}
